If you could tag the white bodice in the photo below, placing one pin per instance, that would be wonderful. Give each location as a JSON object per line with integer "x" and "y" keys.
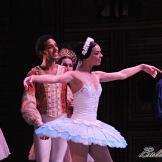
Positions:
{"x": 86, "y": 102}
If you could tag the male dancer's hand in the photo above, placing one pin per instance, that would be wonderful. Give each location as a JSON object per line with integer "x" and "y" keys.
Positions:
{"x": 44, "y": 137}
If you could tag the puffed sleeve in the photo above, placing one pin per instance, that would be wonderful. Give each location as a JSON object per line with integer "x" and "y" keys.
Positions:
{"x": 29, "y": 109}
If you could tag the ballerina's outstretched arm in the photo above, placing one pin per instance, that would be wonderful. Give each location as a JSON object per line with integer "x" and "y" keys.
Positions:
{"x": 128, "y": 72}
{"x": 47, "y": 78}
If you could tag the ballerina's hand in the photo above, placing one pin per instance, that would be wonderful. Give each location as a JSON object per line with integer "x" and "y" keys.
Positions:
{"x": 28, "y": 82}
{"x": 152, "y": 70}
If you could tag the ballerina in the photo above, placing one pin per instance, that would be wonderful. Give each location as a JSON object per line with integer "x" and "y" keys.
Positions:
{"x": 84, "y": 133}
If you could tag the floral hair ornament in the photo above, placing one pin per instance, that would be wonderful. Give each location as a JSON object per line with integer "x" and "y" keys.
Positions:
{"x": 86, "y": 45}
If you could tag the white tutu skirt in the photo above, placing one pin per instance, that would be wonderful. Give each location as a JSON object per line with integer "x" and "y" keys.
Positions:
{"x": 83, "y": 131}
{"x": 4, "y": 150}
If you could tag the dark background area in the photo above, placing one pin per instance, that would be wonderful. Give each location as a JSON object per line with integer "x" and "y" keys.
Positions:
{"x": 129, "y": 32}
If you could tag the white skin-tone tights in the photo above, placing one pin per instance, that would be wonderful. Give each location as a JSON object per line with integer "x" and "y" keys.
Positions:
{"x": 99, "y": 153}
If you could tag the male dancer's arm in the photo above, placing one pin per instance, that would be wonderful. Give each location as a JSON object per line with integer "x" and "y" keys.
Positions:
{"x": 29, "y": 109}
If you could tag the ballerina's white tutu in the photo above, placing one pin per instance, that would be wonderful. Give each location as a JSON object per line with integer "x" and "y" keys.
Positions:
{"x": 4, "y": 150}
{"x": 83, "y": 127}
